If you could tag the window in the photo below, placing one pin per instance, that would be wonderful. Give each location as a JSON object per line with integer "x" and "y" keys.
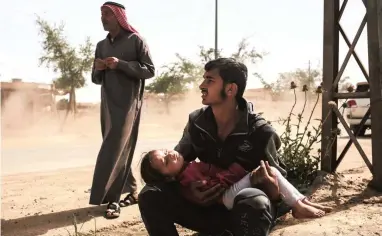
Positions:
{"x": 363, "y": 88}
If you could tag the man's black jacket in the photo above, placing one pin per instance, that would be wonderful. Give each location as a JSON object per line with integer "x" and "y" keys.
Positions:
{"x": 252, "y": 140}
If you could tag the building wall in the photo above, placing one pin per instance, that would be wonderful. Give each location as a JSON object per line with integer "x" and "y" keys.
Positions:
{"x": 34, "y": 94}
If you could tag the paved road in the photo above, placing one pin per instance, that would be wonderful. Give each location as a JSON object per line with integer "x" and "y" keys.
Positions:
{"x": 54, "y": 157}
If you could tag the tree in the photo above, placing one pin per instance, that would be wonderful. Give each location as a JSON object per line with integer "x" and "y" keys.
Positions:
{"x": 183, "y": 74}
{"x": 69, "y": 62}
{"x": 169, "y": 83}
{"x": 244, "y": 53}
{"x": 62, "y": 104}
{"x": 277, "y": 87}
{"x": 309, "y": 77}
{"x": 344, "y": 84}
{"x": 190, "y": 71}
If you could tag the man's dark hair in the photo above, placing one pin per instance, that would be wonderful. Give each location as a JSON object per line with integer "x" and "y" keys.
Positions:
{"x": 148, "y": 173}
{"x": 231, "y": 71}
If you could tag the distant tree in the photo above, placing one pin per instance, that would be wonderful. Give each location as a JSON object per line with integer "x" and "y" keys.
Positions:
{"x": 279, "y": 86}
{"x": 62, "y": 104}
{"x": 179, "y": 76}
{"x": 310, "y": 77}
{"x": 344, "y": 84}
{"x": 207, "y": 54}
{"x": 69, "y": 62}
{"x": 190, "y": 71}
{"x": 244, "y": 53}
{"x": 168, "y": 84}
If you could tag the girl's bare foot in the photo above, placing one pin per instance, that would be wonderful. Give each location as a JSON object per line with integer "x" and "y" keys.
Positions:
{"x": 316, "y": 205}
{"x": 303, "y": 211}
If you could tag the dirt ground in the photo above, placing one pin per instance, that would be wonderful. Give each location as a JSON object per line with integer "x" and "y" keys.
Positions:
{"x": 46, "y": 176}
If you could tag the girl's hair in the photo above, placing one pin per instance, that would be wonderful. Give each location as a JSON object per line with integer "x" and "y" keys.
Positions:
{"x": 148, "y": 173}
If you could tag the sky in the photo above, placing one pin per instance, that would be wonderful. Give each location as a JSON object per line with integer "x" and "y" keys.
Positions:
{"x": 291, "y": 32}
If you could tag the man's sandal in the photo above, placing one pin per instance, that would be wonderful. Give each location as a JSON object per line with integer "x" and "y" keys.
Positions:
{"x": 129, "y": 200}
{"x": 113, "y": 211}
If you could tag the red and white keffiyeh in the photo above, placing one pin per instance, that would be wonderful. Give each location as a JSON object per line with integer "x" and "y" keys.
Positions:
{"x": 120, "y": 14}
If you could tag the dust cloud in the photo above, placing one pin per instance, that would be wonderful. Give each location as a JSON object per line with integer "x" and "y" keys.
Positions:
{"x": 23, "y": 124}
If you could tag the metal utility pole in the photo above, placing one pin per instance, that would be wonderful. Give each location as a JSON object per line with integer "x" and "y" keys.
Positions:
{"x": 332, "y": 73}
{"x": 216, "y": 29}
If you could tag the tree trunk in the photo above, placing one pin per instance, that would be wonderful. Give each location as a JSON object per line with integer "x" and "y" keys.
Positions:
{"x": 72, "y": 100}
{"x": 167, "y": 102}
{"x": 167, "y": 106}
{"x": 71, "y": 107}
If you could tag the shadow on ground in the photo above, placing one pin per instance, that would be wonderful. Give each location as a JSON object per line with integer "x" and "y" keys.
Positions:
{"x": 41, "y": 224}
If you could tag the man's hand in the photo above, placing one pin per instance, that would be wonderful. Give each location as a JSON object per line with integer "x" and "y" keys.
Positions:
{"x": 265, "y": 177}
{"x": 207, "y": 197}
{"x": 111, "y": 62}
{"x": 100, "y": 64}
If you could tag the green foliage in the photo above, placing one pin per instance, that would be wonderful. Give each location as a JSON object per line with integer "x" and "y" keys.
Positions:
{"x": 309, "y": 77}
{"x": 69, "y": 62}
{"x": 62, "y": 104}
{"x": 173, "y": 81}
{"x": 276, "y": 88}
{"x": 244, "y": 53}
{"x": 184, "y": 74}
{"x": 298, "y": 140}
{"x": 344, "y": 85}
{"x": 190, "y": 71}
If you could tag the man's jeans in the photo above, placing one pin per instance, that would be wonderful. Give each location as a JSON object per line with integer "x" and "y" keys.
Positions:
{"x": 162, "y": 206}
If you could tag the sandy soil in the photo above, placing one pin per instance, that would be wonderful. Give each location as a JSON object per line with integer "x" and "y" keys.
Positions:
{"x": 45, "y": 203}
{"x": 43, "y": 198}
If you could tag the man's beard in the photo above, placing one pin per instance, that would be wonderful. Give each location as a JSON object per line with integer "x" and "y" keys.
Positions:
{"x": 109, "y": 27}
{"x": 223, "y": 98}
{"x": 223, "y": 95}
{"x": 106, "y": 27}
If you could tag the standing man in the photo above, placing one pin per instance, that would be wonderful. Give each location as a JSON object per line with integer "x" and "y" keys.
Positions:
{"x": 122, "y": 63}
{"x": 222, "y": 133}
